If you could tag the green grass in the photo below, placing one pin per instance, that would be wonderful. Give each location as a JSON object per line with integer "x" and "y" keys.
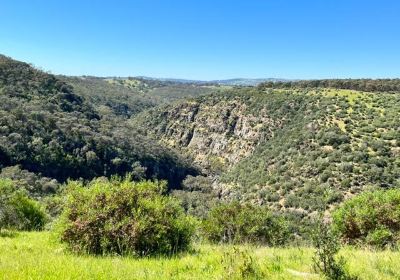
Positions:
{"x": 36, "y": 256}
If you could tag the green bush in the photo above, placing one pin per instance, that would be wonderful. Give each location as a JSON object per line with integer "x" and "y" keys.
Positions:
{"x": 380, "y": 237}
{"x": 372, "y": 218}
{"x": 17, "y": 210}
{"x": 325, "y": 260}
{"x": 123, "y": 217}
{"x": 240, "y": 264}
{"x": 244, "y": 223}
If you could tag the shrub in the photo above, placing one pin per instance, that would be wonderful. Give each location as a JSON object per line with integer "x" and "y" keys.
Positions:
{"x": 333, "y": 137}
{"x": 380, "y": 237}
{"x": 17, "y": 210}
{"x": 325, "y": 260}
{"x": 238, "y": 223}
{"x": 372, "y": 217}
{"x": 123, "y": 217}
{"x": 240, "y": 264}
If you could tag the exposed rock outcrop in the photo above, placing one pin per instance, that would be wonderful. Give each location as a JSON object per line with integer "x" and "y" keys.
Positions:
{"x": 216, "y": 133}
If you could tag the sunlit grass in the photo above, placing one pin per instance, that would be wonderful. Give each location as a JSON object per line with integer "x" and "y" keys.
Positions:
{"x": 36, "y": 256}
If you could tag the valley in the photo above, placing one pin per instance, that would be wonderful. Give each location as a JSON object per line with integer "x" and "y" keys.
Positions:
{"x": 273, "y": 157}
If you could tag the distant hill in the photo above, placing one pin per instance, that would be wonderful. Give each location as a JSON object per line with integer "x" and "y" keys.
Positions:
{"x": 246, "y": 82}
{"x": 105, "y": 94}
{"x": 128, "y": 96}
{"x": 227, "y": 82}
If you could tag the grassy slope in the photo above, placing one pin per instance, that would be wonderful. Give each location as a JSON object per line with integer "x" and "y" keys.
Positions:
{"x": 35, "y": 256}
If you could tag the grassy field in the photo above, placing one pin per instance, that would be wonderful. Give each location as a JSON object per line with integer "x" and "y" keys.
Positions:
{"x": 35, "y": 256}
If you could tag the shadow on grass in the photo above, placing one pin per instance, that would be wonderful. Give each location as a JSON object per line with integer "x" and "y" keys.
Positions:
{"x": 8, "y": 233}
{"x": 168, "y": 256}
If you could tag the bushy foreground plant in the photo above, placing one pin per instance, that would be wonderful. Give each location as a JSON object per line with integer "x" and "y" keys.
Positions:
{"x": 371, "y": 218}
{"x": 123, "y": 217}
{"x": 241, "y": 264}
{"x": 17, "y": 210}
{"x": 325, "y": 260}
{"x": 244, "y": 223}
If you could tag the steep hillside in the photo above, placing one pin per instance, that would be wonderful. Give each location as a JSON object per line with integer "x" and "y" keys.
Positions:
{"x": 297, "y": 150}
{"x": 220, "y": 130}
{"x": 46, "y": 128}
{"x": 350, "y": 142}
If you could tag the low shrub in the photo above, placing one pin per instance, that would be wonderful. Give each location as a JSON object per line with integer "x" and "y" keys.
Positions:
{"x": 123, "y": 217}
{"x": 240, "y": 264}
{"x": 371, "y": 218}
{"x": 17, "y": 210}
{"x": 244, "y": 223}
{"x": 325, "y": 260}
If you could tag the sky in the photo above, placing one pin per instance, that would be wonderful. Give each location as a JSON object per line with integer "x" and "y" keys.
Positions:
{"x": 205, "y": 39}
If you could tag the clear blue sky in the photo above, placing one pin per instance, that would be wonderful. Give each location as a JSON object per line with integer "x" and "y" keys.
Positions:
{"x": 205, "y": 39}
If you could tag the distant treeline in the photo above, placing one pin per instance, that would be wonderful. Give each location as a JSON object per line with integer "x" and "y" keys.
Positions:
{"x": 370, "y": 85}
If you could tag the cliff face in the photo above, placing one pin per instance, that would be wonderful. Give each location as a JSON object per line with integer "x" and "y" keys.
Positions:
{"x": 216, "y": 133}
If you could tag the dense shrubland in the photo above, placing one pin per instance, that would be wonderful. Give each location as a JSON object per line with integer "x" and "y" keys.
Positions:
{"x": 324, "y": 153}
{"x": 49, "y": 130}
{"x": 318, "y": 147}
{"x": 37, "y": 186}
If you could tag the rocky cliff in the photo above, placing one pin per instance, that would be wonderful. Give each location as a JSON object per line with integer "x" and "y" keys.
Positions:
{"x": 216, "y": 132}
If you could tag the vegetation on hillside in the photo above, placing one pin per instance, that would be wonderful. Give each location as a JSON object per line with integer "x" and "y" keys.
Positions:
{"x": 369, "y": 85}
{"x": 126, "y": 97}
{"x": 301, "y": 151}
{"x": 111, "y": 98}
{"x": 337, "y": 144}
{"x": 241, "y": 165}
{"x": 47, "y": 129}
